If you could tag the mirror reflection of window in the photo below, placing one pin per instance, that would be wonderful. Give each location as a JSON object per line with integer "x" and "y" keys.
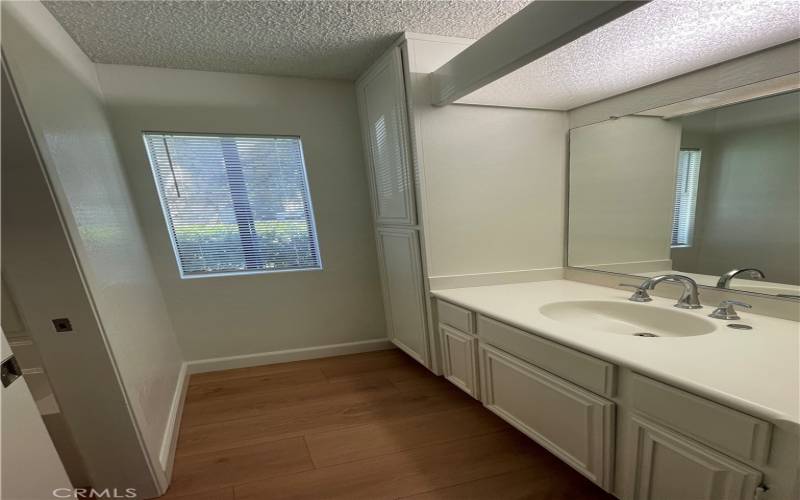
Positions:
{"x": 686, "y": 182}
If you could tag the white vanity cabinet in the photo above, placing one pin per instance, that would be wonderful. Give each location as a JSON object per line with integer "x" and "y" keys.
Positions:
{"x": 670, "y": 466}
{"x": 636, "y": 437}
{"x": 572, "y": 423}
{"x": 459, "y": 345}
{"x": 460, "y": 359}
{"x": 684, "y": 446}
{"x": 731, "y": 432}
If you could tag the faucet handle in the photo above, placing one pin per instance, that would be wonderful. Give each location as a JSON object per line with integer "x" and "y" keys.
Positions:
{"x": 640, "y": 295}
{"x": 735, "y": 303}
{"x": 726, "y": 311}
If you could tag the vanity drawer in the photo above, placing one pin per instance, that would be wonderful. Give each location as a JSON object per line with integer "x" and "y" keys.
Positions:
{"x": 586, "y": 371}
{"x": 456, "y": 316}
{"x": 729, "y": 431}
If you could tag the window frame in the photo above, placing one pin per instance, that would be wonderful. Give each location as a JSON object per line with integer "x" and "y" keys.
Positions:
{"x": 169, "y": 226}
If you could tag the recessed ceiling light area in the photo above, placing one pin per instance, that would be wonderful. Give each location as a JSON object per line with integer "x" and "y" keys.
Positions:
{"x": 655, "y": 42}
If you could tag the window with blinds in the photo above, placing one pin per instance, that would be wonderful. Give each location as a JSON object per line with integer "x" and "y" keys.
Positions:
{"x": 686, "y": 182}
{"x": 235, "y": 204}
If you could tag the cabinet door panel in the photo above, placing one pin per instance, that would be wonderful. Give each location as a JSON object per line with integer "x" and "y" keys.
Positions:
{"x": 573, "y": 423}
{"x": 459, "y": 359}
{"x": 398, "y": 251}
{"x": 382, "y": 105}
{"x": 668, "y": 466}
{"x": 721, "y": 428}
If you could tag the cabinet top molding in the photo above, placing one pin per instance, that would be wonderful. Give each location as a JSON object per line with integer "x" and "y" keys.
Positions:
{"x": 536, "y": 30}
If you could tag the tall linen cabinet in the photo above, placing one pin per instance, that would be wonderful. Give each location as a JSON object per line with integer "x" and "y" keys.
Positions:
{"x": 384, "y": 113}
{"x": 432, "y": 170}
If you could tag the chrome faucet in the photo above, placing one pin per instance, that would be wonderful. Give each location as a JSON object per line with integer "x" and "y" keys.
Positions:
{"x": 725, "y": 279}
{"x": 689, "y": 299}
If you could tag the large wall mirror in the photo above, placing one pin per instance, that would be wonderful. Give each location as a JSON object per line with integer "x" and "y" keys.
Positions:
{"x": 713, "y": 194}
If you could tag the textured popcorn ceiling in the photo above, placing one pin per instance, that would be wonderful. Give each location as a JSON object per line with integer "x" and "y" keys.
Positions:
{"x": 318, "y": 39}
{"x": 660, "y": 40}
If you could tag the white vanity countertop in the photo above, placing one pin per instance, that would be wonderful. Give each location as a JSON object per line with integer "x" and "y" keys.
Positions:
{"x": 756, "y": 371}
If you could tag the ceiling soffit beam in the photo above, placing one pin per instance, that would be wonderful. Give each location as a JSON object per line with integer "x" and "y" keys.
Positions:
{"x": 536, "y": 30}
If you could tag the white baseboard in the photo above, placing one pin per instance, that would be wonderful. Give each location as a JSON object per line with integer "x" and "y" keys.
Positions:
{"x": 268, "y": 358}
{"x": 166, "y": 455}
{"x": 501, "y": 278}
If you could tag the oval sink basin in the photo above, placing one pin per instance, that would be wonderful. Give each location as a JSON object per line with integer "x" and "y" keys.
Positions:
{"x": 627, "y": 318}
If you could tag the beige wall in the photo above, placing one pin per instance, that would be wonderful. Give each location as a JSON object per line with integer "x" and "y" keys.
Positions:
{"x": 622, "y": 187}
{"x": 749, "y": 203}
{"x": 122, "y": 314}
{"x": 240, "y": 315}
{"x": 495, "y": 189}
{"x": 492, "y": 181}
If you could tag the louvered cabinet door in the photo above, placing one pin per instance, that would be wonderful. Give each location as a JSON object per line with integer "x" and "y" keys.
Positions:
{"x": 382, "y": 107}
{"x": 404, "y": 300}
{"x": 669, "y": 466}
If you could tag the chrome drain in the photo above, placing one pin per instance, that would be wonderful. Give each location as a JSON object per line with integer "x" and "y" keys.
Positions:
{"x": 645, "y": 334}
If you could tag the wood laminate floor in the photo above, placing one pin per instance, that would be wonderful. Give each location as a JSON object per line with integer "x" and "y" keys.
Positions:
{"x": 365, "y": 426}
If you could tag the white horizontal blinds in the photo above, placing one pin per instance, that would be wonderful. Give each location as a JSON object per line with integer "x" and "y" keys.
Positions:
{"x": 686, "y": 183}
{"x": 235, "y": 204}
